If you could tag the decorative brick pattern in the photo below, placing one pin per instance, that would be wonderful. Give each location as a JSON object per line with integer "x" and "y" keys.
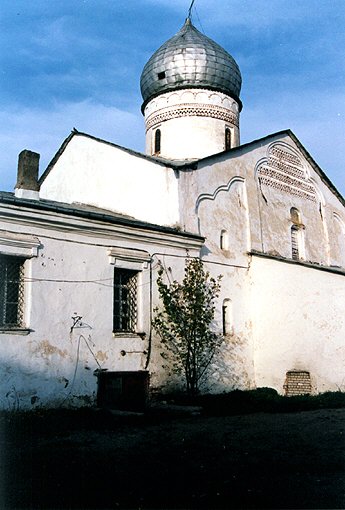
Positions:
{"x": 284, "y": 166}
{"x": 286, "y": 156}
{"x": 189, "y": 110}
{"x": 297, "y": 382}
{"x": 284, "y": 171}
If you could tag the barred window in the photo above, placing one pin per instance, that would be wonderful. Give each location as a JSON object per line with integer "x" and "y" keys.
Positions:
{"x": 11, "y": 291}
{"x": 297, "y": 236}
{"x": 125, "y": 300}
{"x": 295, "y": 242}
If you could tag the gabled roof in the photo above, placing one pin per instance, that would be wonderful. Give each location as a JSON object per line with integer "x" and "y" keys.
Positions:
{"x": 192, "y": 165}
{"x": 287, "y": 132}
{"x": 75, "y": 132}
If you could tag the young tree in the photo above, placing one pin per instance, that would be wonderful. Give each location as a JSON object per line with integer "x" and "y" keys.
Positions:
{"x": 184, "y": 321}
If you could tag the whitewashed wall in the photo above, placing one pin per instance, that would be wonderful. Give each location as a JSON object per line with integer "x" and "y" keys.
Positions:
{"x": 298, "y": 316}
{"x": 71, "y": 274}
{"x": 192, "y": 123}
{"x": 96, "y": 173}
{"x": 260, "y": 214}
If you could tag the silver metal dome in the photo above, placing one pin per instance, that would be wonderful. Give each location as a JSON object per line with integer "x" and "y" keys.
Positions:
{"x": 189, "y": 60}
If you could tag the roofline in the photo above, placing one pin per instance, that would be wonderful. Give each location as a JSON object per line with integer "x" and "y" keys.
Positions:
{"x": 317, "y": 168}
{"x": 73, "y": 210}
{"x": 310, "y": 265}
{"x": 287, "y": 132}
{"x": 192, "y": 165}
{"x": 75, "y": 132}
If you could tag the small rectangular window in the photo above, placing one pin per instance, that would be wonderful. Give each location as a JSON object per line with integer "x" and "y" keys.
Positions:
{"x": 11, "y": 291}
{"x": 125, "y": 300}
{"x": 161, "y": 75}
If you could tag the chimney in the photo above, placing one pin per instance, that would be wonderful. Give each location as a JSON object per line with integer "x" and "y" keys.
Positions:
{"x": 27, "y": 177}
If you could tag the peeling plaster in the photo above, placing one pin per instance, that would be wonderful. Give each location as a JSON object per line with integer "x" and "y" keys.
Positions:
{"x": 45, "y": 349}
{"x": 101, "y": 356}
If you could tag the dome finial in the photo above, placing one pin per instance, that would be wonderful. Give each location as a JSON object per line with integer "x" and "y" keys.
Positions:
{"x": 190, "y": 10}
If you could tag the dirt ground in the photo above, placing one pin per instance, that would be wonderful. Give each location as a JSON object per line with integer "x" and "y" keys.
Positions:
{"x": 100, "y": 461}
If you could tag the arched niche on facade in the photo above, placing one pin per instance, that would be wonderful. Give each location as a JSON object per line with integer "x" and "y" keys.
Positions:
{"x": 227, "y": 317}
{"x": 224, "y": 240}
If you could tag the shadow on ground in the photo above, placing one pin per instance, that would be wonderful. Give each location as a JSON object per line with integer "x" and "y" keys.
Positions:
{"x": 92, "y": 459}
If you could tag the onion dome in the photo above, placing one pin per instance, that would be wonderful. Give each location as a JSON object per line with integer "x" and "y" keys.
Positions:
{"x": 190, "y": 60}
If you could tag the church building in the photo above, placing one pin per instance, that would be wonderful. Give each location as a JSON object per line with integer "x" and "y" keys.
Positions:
{"x": 80, "y": 247}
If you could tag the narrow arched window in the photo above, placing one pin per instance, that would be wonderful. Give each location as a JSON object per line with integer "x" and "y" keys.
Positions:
{"x": 157, "y": 141}
{"x": 227, "y": 139}
{"x": 224, "y": 240}
{"x": 227, "y": 317}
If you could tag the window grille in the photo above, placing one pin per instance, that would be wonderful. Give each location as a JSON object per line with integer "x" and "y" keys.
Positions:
{"x": 125, "y": 300}
{"x": 157, "y": 141}
{"x": 295, "y": 242}
{"x": 11, "y": 291}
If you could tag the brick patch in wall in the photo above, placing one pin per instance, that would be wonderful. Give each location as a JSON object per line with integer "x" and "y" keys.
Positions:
{"x": 297, "y": 382}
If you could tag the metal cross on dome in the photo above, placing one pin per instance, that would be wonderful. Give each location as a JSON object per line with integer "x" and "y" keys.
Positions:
{"x": 190, "y": 9}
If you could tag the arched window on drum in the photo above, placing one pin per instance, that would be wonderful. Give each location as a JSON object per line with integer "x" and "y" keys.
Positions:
{"x": 227, "y": 139}
{"x": 158, "y": 137}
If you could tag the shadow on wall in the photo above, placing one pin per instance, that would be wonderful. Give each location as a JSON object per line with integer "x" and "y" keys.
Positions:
{"x": 25, "y": 389}
{"x": 232, "y": 368}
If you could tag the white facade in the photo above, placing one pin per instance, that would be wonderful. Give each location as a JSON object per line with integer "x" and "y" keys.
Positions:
{"x": 98, "y": 173}
{"x": 298, "y": 323}
{"x": 284, "y": 309}
{"x": 191, "y": 124}
{"x": 67, "y": 331}
{"x": 263, "y": 215}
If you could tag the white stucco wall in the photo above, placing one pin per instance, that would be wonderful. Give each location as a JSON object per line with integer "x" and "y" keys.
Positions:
{"x": 284, "y": 316}
{"x": 208, "y": 204}
{"x": 298, "y": 316}
{"x": 192, "y": 123}
{"x": 233, "y": 366}
{"x": 96, "y": 173}
{"x": 71, "y": 273}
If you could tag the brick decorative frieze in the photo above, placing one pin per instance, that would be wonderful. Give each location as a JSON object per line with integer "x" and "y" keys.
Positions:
{"x": 297, "y": 382}
{"x": 284, "y": 166}
{"x": 285, "y": 172}
{"x": 298, "y": 184}
{"x": 192, "y": 110}
{"x": 284, "y": 155}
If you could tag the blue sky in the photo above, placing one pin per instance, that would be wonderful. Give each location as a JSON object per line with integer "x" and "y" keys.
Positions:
{"x": 77, "y": 63}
